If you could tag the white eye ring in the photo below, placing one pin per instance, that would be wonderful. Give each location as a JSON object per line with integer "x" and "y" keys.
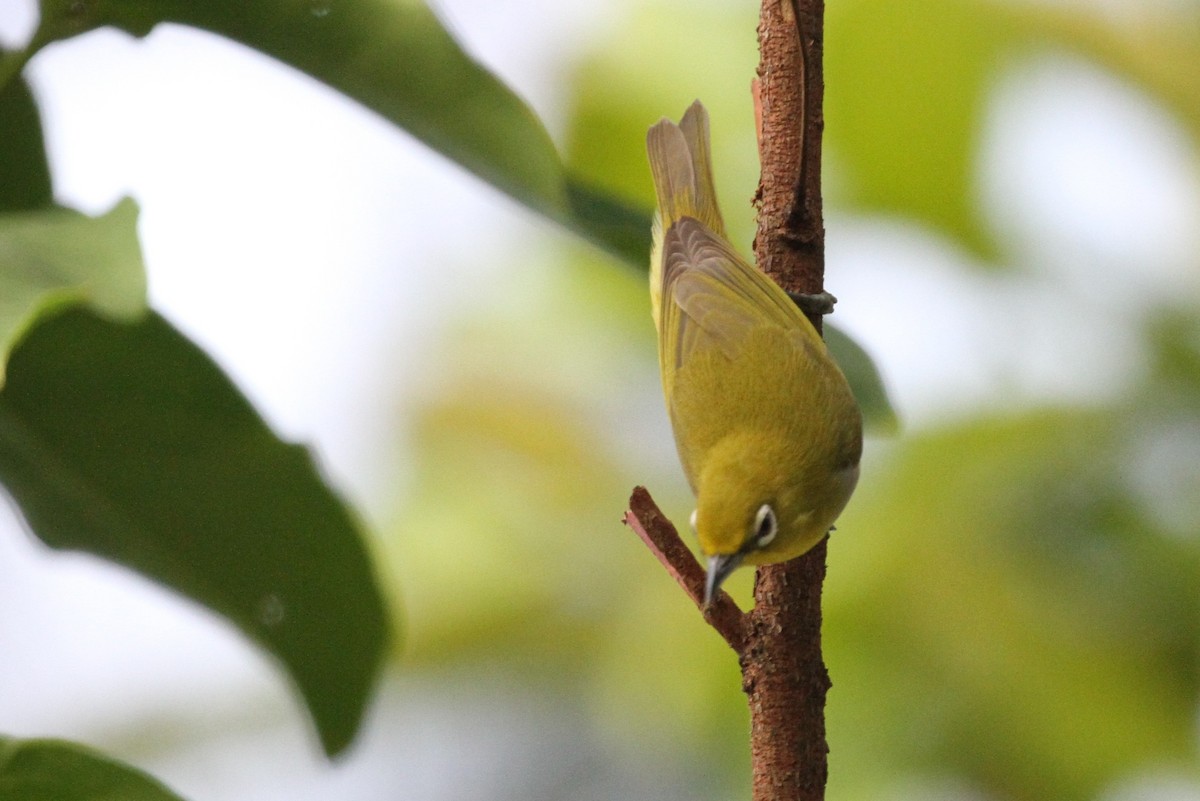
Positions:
{"x": 766, "y": 526}
{"x": 692, "y": 520}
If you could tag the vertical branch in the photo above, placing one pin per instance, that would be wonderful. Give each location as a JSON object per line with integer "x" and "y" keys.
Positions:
{"x": 790, "y": 245}
{"x": 783, "y": 672}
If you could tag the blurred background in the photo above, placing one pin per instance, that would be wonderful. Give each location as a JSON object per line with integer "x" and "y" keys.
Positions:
{"x": 1013, "y": 219}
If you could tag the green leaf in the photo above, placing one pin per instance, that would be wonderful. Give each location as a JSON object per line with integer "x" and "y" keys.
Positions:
{"x": 54, "y": 770}
{"x": 56, "y": 256}
{"x": 126, "y": 441}
{"x": 865, "y": 381}
{"x": 24, "y": 171}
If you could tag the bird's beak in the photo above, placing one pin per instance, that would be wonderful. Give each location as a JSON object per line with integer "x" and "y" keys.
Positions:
{"x": 719, "y": 568}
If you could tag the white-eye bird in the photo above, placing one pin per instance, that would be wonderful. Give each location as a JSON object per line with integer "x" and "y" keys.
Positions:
{"x": 766, "y": 426}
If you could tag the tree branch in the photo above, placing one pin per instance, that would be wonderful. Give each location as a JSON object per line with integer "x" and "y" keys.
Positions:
{"x": 783, "y": 673}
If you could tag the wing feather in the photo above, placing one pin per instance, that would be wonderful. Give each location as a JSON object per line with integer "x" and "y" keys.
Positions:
{"x": 681, "y": 166}
{"x": 703, "y": 294}
{"x": 712, "y": 298}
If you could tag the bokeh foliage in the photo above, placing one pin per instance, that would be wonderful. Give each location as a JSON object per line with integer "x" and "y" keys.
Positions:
{"x": 52, "y": 770}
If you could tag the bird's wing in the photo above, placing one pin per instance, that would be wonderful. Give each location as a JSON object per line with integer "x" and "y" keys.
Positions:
{"x": 712, "y": 298}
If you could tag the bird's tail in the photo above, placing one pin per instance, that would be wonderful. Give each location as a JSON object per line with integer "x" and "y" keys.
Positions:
{"x": 681, "y": 165}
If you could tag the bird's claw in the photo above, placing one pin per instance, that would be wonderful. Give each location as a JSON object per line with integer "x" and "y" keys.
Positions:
{"x": 820, "y": 303}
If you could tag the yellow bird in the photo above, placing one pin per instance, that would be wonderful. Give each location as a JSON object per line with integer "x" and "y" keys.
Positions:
{"x": 766, "y": 426}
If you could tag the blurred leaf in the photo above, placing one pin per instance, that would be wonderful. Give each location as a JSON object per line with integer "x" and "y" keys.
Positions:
{"x": 1004, "y": 614}
{"x": 396, "y": 59}
{"x": 54, "y": 770}
{"x": 503, "y": 537}
{"x": 57, "y": 256}
{"x": 864, "y": 379}
{"x": 907, "y": 86}
{"x": 624, "y": 230}
{"x": 24, "y": 171}
{"x": 546, "y": 409}
{"x": 126, "y": 441}
{"x": 1175, "y": 336}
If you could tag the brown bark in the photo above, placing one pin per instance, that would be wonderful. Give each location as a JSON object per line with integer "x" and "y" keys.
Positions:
{"x": 783, "y": 672}
{"x": 790, "y": 246}
{"x": 785, "y": 679}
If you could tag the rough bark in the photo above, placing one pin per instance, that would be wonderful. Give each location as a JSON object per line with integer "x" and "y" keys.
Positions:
{"x": 783, "y": 673}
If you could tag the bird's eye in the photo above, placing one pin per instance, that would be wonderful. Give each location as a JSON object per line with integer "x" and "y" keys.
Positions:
{"x": 765, "y": 526}
{"x": 692, "y": 520}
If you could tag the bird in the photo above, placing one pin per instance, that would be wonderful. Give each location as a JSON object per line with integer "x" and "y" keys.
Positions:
{"x": 767, "y": 428}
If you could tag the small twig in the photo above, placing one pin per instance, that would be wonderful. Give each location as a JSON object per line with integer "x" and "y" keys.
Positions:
{"x": 661, "y": 537}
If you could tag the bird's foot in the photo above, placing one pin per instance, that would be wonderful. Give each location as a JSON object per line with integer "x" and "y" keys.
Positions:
{"x": 820, "y": 303}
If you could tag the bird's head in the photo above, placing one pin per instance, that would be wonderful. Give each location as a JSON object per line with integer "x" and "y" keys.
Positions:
{"x": 761, "y": 501}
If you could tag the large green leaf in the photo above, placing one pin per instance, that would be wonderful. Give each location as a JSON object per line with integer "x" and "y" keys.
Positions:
{"x": 24, "y": 171}
{"x": 125, "y": 440}
{"x": 53, "y": 770}
{"x": 55, "y": 256}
